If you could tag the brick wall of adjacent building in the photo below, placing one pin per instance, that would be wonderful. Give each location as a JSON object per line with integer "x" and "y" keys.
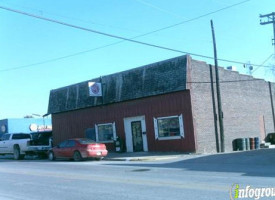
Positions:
{"x": 245, "y": 101}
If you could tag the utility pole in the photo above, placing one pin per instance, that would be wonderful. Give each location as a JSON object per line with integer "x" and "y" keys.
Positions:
{"x": 270, "y": 20}
{"x": 218, "y": 90}
{"x": 214, "y": 111}
{"x": 272, "y": 107}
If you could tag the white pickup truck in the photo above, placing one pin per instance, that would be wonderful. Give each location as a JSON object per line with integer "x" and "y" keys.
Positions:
{"x": 21, "y": 144}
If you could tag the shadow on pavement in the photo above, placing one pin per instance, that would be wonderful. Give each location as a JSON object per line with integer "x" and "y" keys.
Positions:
{"x": 9, "y": 158}
{"x": 248, "y": 163}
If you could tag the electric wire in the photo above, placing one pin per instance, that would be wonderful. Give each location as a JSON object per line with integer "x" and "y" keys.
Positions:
{"x": 159, "y": 9}
{"x": 56, "y": 59}
{"x": 42, "y": 12}
{"x": 118, "y": 37}
{"x": 195, "y": 18}
{"x": 262, "y": 65}
{"x": 107, "y": 34}
{"x": 228, "y": 81}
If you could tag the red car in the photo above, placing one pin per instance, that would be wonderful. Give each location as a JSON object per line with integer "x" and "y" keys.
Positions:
{"x": 78, "y": 149}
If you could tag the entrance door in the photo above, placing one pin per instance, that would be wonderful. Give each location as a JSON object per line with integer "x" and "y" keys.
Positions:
{"x": 137, "y": 135}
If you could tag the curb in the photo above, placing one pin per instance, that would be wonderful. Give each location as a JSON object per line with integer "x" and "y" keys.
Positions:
{"x": 154, "y": 158}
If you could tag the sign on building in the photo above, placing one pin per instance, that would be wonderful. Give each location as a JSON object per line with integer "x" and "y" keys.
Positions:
{"x": 95, "y": 89}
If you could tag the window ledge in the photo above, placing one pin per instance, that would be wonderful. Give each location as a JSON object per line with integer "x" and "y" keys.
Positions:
{"x": 170, "y": 138}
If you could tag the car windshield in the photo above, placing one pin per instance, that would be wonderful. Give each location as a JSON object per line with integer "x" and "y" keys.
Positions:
{"x": 18, "y": 136}
{"x": 86, "y": 141}
{"x": 37, "y": 135}
{"x": 34, "y": 135}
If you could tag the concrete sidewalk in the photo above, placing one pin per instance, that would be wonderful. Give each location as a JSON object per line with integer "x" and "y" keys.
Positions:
{"x": 261, "y": 156}
{"x": 147, "y": 156}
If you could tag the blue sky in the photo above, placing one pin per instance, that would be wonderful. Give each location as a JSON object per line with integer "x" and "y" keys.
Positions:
{"x": 25, "y": 41}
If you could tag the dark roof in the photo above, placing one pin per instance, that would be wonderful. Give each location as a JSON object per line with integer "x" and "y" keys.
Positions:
{"x": 153, "y": 79}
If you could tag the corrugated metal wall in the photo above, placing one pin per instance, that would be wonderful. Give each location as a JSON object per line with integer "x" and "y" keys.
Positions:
{"x": 74, "y": 123}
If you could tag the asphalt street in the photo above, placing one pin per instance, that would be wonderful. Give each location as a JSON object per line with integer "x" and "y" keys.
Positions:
{"x": 194, "y": 177}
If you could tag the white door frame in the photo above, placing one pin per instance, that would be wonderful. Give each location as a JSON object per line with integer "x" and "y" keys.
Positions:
{"x": 128, "y": 132}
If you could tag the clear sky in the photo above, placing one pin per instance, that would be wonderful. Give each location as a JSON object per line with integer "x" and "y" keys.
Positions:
{"x": 25, "y": 42}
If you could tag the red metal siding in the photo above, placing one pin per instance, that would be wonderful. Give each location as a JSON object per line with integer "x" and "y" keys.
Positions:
{"x": 74, "y": 123}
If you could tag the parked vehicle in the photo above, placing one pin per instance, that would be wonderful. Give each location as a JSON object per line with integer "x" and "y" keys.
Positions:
{"x": 41, "y": 142}
{"x": 78, "y": 149}
{"x": 21, "y": 144}
{"x": 41, "y": 138}
{"x": 270, "y": 138}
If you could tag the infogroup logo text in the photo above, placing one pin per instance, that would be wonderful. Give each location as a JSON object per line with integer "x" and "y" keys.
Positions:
{"x": 236, "y": 192}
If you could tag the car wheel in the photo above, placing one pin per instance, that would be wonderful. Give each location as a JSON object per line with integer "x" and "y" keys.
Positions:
{"x": 77, "y": 156}
{"x": 99, "y": 159}
{"x": 51, "y": 156}
{"x": 42, "y": 155}
{"x": 16, "y": 152}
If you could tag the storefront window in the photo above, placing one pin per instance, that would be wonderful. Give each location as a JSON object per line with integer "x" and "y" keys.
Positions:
{"x": 105, "y": 132}
{"x": 169, "y": 127}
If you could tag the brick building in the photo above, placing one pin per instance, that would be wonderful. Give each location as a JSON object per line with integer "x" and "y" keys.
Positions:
{"x": 165, "y": 106}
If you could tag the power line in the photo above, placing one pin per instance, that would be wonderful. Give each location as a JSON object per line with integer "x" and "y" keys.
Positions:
{"x": 228, "y": 81}
{"x": 99, "y": 32}
{"x": 189, "y": 20}
{"x": 56, "y": 59}
{"x": 196, "y": 18}
{"x": 115, "y": 36}
{"x": 75, "y": 54}
{"x": 158, "y": 8}
{"x": 104, "y": 46}
{"x": 42, "y": 12}
{"x": 262, "y": 65}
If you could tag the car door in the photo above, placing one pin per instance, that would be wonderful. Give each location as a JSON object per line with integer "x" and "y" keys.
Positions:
{"x": 70, "y": 147}
{"x": 19, "y": 138}
{"x": 60, "y": 150}
{"x": 4, "y": 143}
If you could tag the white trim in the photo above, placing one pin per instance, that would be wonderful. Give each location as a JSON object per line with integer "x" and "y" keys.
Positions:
{"x": 128, "y": 133}
{"x": 114, "y": 132}
{"x": 156, "y": 128}
{"x": 144, "y": 136}
{"x": 181, "y": 127}
{"x": 170, "y": 138}
{"x": 96, "y": 133}
{"x": 168, "y": 117}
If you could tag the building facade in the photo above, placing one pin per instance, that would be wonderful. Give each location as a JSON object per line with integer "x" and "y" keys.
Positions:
{"x": 165, "y": 106}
